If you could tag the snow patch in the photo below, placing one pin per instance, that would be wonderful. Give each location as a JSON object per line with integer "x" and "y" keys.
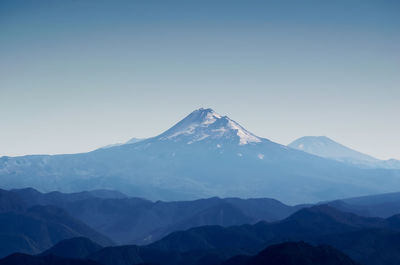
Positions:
{"x": 210, "y": 118}
{"x": 244, "y": 136}
{"x": 187, "y": 131}
{"x": 204, "y": 136}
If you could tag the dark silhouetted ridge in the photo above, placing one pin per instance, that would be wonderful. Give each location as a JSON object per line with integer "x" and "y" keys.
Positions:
{"x": 24, "y": 259}
{"x": 78, "y": 247}
{"x": 294, "y": 253}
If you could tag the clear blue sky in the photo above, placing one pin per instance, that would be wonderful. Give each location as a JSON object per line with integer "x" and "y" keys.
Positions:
{"x": 79, "y": 74}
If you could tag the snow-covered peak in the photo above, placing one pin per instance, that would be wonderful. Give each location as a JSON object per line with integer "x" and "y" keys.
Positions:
{"x": 204, "y": 124}
{"x": 204, "y": 116}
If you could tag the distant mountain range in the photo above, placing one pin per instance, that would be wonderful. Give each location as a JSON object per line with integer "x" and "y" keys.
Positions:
{"x": 367, "y": 241}
{"x": 380, "y": 205}
{"x": 324, "y": 147}
{"x": 370, "y": 241}
{"x": 204, "y": 155}
{"x": 134, "y": 220}
{"x": 127, "y": 220}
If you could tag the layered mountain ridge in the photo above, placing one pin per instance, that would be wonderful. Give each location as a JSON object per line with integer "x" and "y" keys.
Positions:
{"x": 368, "y": 240}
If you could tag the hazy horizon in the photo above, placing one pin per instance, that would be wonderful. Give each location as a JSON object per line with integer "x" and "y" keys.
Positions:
{"x": 78, "y": 75}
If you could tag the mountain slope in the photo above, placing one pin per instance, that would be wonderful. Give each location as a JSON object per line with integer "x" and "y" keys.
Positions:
{"x": 324, "y": 147}
{"x": 204, "y": 155}
{"x": 9, "y": 201}
{"x": 131, "y": 141}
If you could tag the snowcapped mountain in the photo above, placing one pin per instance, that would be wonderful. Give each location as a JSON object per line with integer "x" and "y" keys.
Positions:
{"x": 206, "y": 124}
{"x": 203, "y": 155}
{"x": 325, "y": 147}
{"x": 203, "y": 125}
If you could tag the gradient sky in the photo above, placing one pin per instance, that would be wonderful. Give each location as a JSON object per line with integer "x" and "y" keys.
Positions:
{"x": 79, "y": 74}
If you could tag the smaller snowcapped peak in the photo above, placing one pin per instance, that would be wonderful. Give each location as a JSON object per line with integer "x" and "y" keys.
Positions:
{"x": 306, "y": 141}
{"x": 325, "y": 147}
